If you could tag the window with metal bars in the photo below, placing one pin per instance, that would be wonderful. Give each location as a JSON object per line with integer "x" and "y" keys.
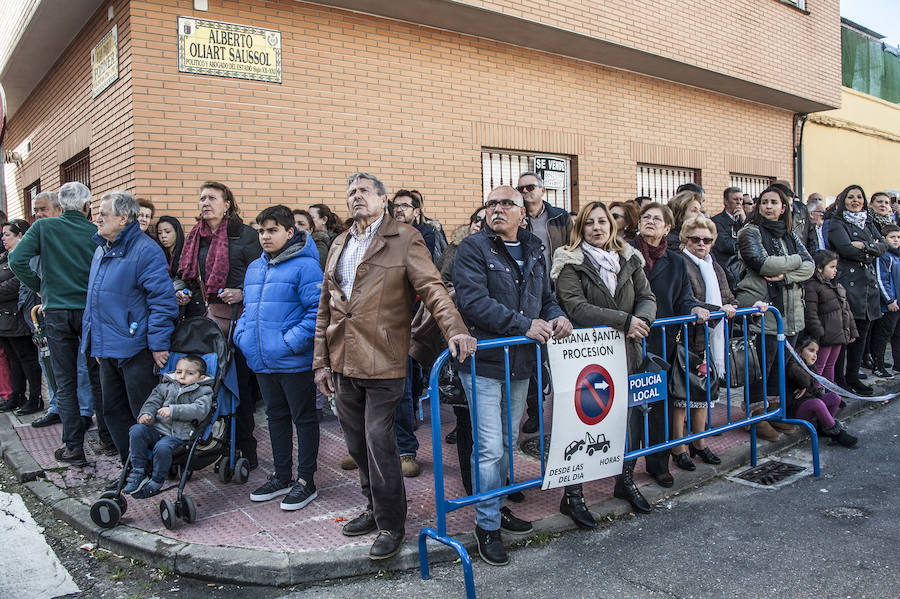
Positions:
{"x": 28, "y": 200}
{"x": 660, "y": 182}
{"x": 78, "y": 168}
{"x": 503, "y": 167}
{"x": 752, "y": 184}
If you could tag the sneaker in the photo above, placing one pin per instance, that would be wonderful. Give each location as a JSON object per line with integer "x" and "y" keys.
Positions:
{"x": 300, "y": 495}
{"x": 510, "y": 523}
{"x": 272, "y": 488}
{"x": 409, "y": 466}
{"x": 135, "y": 481}
{"x": 148, "y": 489}
{"x": 490, "y": 547}
{"x": 348, "y": 463}
{"x": 76, "y": 458}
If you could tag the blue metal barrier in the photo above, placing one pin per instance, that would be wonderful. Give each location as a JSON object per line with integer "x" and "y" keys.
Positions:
{"x": 443, "y": 506}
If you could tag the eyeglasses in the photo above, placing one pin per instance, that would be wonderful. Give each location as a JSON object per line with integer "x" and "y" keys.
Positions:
{"x": 492, "y": 204}
{"x": 748, "y": 203}
{"x": 652, "y": 219}
{"x": 404, "y": 206}
{"x": 700, "y": 240}
{"x": 527, "y": 188}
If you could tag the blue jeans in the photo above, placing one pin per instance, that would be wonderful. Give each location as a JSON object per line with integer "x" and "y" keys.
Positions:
{"x": 143, "y": 438}
{"x": 85, "y": 393}
{"x": 405, "y": 414}
{"x": 490, "y": 459}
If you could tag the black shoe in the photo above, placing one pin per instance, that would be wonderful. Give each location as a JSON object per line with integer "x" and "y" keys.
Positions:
{"x": 252, "y": 460}
{"x": 683, "y": 461}
{"x": 516, "y": 497}
{"x": 301, "y": 494}
{"x": 112, "y": 485}
{"x": 846, "y": 439}
{"x": 30, "y": 407}
{"x": 47, "y": 419}
{"x": 572, "y": 505}
{"x": 87, "y": 422}
{"x": 879, "y": 371}
{"x": 664, "y": 479}
{"x": 451, "y": 437}
{"x": 705, "y": 454}
{"x": 11, "y": 404}
{"x": 531, "y": 425}
{"x": 76, "y": 458}
{"x": 387, "y": 544}
{"x": 862, "y": 375}
{"x": 108, "y": 448}
{"x": 272, "y": 488}
{"x": 860, "y": 389}
{"x": 867, "y": 361}
{"x": 509, "y": 523}
{"x": 361, "y": 525}
{"x": 627, "y": 490}
{"x": 490, "y": 547}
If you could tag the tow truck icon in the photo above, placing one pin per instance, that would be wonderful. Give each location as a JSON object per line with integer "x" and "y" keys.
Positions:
{"x": 590, "y": 444}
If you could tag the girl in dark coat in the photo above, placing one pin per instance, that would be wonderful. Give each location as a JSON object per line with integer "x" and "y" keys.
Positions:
{"x": 853, "y": 235}
{"x": 828, "y": 317}
{"x": 170, "y": 237}
{"x": 669, "y": 282}
{"x": 600, "y": 281}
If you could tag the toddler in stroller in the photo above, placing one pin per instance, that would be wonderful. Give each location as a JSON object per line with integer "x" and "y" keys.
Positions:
{"x": 168, "y": 419}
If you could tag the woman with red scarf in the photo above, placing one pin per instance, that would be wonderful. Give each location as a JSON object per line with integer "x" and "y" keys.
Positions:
{"x": 669, "y": 281}
{"x": 214, "y": 258}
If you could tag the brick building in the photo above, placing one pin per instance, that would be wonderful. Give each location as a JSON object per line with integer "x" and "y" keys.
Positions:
{"x": 449, "y": 97}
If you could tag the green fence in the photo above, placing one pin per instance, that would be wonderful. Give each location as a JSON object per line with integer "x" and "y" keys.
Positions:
{"x": 869, "y": 66}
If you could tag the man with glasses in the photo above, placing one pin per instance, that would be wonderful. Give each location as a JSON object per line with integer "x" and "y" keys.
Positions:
{"x": 553, "y": 227}
{"x": 728, "y": 223}
{"x": 748, "y": 203}
{"x": 406, "y": 208}
{"x": 815, "y": 241}
{"x": 502, "y": 290}
{"x": 373, "y": 274}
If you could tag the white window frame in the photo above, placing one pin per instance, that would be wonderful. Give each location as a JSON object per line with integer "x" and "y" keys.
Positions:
{"x": 503, "y": 167}
{"x": 660, "y": 182}
{"x": 752, "y": 184}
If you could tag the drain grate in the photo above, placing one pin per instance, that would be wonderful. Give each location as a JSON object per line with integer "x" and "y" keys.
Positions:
{"x": 770, "y": 473}
{"x": 532, "y": 447}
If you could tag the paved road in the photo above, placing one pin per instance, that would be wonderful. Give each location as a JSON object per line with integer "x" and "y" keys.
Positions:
{"x": 836, "y": 536}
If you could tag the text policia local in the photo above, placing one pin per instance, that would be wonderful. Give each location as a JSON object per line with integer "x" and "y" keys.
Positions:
{"x": 231, "y": 46}
{"x": 589, "y": 351}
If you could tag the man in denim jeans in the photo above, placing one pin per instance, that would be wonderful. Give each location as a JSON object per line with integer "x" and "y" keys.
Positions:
{"x": 66, "y": 248}
{"x": 502, "y": 290}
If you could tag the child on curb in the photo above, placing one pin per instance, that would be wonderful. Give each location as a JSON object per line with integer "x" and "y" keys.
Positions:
{"x": 887, "y": 270}
{"x": 807, "y": 399}
{"x": 167, "y": 419}
{"x": 829, "y": 320}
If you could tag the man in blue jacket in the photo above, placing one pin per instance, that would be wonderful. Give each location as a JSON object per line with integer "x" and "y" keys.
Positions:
{"x": 275, "y": 334}
{"x": 502, "y": 290}
{"x": 130, "y": 313}
{"x": 887, "y": 270}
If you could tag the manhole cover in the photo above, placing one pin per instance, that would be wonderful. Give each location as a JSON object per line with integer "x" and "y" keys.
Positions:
{"x": 846, "y": 512}
{"x": 532, "y": 447}
{"x": 769, "y": 473}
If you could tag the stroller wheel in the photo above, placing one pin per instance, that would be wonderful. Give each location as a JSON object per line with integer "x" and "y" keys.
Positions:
{"x": 118, "y": 498}
{"x": 242, "y": 469}
{"x": 167, "y": 513}
{"x": 105, "y": 513}
{"x": 189, "y": 510}
{"x": 225, "y": 473}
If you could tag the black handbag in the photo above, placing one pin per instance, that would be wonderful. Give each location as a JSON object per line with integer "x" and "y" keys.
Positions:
{"x": 450, "y": 390}
{"x": 737, "y": 362}
{"x": 699, "y": 380}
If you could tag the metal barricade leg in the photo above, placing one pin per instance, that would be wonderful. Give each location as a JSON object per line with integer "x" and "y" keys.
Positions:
{"x": 464, "y": 558}
{"x": 814, "y": 442}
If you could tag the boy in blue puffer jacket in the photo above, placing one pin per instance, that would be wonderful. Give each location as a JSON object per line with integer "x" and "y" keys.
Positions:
{"x": 275, "y": 334}
{"x": 887, "y": 269}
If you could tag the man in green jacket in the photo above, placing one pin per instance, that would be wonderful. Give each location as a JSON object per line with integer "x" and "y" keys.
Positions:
{"x": 66, "y": 247}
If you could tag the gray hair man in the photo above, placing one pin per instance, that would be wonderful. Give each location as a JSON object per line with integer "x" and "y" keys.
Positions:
{"x": 728, "y": 223}
{"x": 815, "y": 239}
{"x": 66, "y": 247}
{"x": 372, "y": 275}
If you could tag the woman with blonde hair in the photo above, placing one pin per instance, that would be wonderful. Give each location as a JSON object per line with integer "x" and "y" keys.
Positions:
{"x": 600, "y": 281}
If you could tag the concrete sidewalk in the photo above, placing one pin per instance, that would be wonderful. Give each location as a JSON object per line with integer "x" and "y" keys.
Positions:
{"x": 237, "y": 540}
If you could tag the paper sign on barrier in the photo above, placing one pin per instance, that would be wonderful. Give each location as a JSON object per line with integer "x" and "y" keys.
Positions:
{"x": 590, "y": 404}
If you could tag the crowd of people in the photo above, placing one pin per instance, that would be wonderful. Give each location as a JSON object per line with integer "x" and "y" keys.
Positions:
{"x": 358, "y": 310}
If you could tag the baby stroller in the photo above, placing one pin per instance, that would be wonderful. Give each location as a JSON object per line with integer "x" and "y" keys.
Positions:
{"x": 212, "y": 443}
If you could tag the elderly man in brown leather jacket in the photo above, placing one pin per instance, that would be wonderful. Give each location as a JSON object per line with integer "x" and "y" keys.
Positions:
{"x": 372, "y": 276}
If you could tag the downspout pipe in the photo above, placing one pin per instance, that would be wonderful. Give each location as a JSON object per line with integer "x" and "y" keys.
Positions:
{"x": 799, "y": 119}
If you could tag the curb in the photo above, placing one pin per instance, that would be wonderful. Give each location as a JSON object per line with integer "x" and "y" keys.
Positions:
{"x": 277, "y": 568}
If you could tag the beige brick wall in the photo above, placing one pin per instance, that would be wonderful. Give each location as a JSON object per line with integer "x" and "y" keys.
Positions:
{"x": 411, "y": 104}
{"x": 764, "y": 41}
{"x": 61, "y": 119}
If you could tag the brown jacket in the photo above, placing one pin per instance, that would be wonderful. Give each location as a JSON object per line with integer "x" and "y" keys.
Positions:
{"x": 366, "y": 336}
